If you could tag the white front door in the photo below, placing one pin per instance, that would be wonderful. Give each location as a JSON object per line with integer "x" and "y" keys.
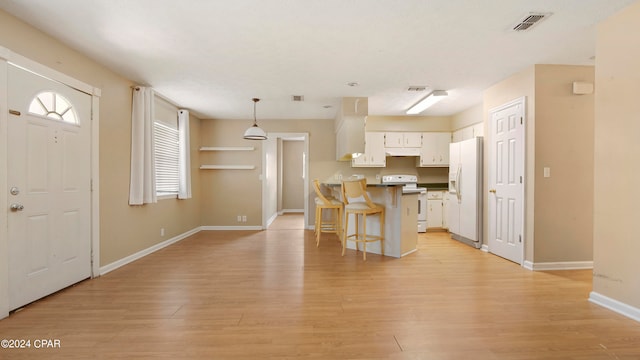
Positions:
{"x": 49, "y": 178}
{"x": 506, "y": 181}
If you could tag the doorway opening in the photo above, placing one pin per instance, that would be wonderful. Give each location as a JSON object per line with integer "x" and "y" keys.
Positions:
{"x": 285, "y": 185}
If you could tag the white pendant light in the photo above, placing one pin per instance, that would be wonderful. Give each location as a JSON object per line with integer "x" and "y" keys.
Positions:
{"x": 255, "y": 132}
{"x": 428, "y": 101}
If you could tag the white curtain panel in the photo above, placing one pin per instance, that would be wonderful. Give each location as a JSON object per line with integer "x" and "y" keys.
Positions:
{"x": 142, "y": 188}
{"x": 184, "y": 188}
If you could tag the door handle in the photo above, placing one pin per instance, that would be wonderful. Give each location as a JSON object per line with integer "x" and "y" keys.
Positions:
{"x": 492, "y": 191}
{"x": 16, "y": 207}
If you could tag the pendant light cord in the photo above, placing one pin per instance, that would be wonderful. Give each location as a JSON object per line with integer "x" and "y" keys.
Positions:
{"x": 255, "y": 121}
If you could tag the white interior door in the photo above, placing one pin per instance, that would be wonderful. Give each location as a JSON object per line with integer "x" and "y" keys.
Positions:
{"x": 49, "y": 175}
{"x": 506, "y": 181}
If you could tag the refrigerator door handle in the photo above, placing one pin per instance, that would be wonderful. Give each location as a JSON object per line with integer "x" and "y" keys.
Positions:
{"x": 458, "y": 195}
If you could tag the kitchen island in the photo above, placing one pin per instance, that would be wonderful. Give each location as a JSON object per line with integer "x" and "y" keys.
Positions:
{"x": 401, "y": 216}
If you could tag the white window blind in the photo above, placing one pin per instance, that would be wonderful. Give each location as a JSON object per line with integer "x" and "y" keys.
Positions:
{"x": 167, "y": 155}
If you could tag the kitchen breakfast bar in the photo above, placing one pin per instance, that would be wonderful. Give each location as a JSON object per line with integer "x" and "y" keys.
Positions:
{"x": 401, "y": 213}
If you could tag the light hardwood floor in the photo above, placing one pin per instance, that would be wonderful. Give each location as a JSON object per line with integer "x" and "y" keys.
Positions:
{"x": 275, "y": 295}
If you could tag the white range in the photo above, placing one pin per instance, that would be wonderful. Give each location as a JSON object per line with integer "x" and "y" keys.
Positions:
{"x": 410, "y": 183}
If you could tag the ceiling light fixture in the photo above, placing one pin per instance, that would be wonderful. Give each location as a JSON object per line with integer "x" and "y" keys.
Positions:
{"x": 254, "y": 132}
{"x": 429, "y": 100}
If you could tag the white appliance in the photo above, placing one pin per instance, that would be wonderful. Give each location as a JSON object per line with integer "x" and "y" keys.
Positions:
{"x": 422, "y": 212}
{"x": 465, "y": 189}
{"x": 410, "y": 183}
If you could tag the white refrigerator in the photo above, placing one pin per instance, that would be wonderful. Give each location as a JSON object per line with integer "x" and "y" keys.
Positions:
{"x": 465, "y": 191}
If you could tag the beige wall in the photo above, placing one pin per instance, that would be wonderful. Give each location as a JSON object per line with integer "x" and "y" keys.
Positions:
{"x": 408, "y": 123}
{"x": 516, "y": 86}
{"x": 468, "y": 117}
{"x": 559, "y": 136}
{"x": 564, "y": 128}
{"x": 617, "y": 167}
{"x": 292, "y": 180}
{"x": 124, "y": 230}
{"x": 240, "y": 191}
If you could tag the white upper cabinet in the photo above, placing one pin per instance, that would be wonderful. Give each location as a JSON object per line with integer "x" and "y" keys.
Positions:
{"x": 374, "y": 154}
{"x": 403, "y": 140}
{"x": 468, "y": 132}
{"x": 413, "y": 139}
{"x": 435, "y": 149}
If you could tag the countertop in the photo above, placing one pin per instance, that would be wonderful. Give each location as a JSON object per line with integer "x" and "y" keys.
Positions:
{"x": 368, "y": 184}
{"x": 429, "y": 186}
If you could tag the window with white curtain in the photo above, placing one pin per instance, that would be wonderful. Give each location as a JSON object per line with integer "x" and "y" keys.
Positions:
{"x": 167, "y": 148}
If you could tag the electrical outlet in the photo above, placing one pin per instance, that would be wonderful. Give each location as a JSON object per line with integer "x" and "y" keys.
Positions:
{"x": 377, "y": 176}
{"x": 239, "y": 218}
{"x": 161, "y": 231}
{"x": 244, "y": 218}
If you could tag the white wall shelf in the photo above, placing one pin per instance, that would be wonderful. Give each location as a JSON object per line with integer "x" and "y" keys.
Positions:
{"x": 227, "y": 167}
{"x": 227, "y": 148}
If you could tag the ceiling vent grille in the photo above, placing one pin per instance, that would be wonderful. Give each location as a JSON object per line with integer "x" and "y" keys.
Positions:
{"x": 297, "y": 97}
{"x": 417, "y": 88}
{"x": 529, "y": 21}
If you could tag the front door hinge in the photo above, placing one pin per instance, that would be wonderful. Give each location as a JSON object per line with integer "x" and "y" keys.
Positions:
{"x": 521, "y": 120}
{"x": 520, "y": 238}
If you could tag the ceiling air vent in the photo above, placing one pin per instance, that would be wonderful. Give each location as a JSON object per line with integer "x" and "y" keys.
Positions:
{"x": 528, "y": 21}
{"x": 416, "y": 88}
{"x": 297, "y": 97}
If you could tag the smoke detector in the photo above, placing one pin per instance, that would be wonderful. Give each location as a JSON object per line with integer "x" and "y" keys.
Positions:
{"x": 529, "y": 20}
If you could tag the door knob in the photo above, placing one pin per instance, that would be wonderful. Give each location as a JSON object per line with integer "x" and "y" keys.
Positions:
{"x": 492, "y": 191}
{"x": 17, "y": 207}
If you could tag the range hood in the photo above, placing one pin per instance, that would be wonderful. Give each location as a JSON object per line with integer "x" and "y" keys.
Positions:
{"x": 349, "y": 127}
{"x": 402, "y": 151}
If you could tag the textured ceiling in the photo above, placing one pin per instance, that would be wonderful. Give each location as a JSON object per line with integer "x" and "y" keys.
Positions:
{"x": 212, "y": 57}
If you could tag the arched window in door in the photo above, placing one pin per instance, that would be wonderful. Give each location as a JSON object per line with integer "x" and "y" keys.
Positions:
{"x": 53, "y": 106}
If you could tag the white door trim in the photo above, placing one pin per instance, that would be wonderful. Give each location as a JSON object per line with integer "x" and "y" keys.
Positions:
{"x": 287, "y": 136}
{"x": 8, "y": 56}
{"x": 523, "y": 101}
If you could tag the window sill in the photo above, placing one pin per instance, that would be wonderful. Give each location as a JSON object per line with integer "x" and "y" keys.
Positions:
{"x": 166, "y": 196}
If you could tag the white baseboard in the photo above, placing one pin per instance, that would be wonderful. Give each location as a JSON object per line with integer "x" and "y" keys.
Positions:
{"x": 272, "y": 219}
{"x": 563, "y": 265}
{"x": 283, "y": 211}
{"x": 484, "y": 248}
{"x": 231, "y": 228}
{"x": 142, "y": 253}
{"x": 615, "y": 305}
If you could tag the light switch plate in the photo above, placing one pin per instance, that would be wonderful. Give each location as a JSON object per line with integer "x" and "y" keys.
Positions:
{"x": 546, "y": 172}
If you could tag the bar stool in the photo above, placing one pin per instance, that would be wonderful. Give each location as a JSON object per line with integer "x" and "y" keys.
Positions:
{"x": 356, "y": 190}
{"x": 324, "y": 202}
